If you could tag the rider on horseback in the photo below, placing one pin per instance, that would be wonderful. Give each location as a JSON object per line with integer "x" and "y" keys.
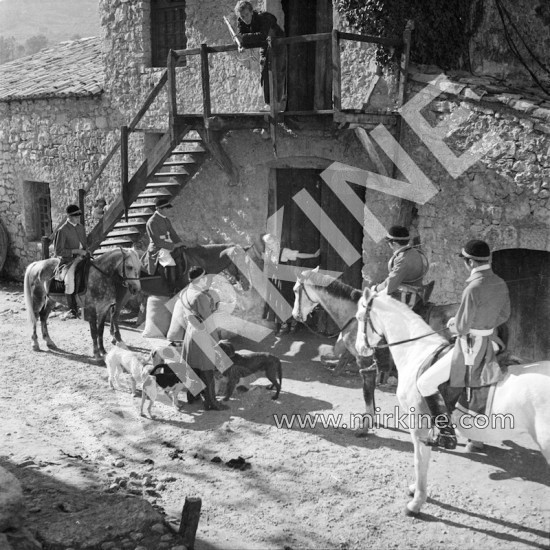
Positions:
{"x": 406, "y": 268}
{"x": 485, "y": 305}
{"x": 163, "y": 244}
{"x": 70, "y": 244}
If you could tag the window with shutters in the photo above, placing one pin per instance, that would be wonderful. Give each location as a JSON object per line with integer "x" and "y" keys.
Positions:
{"x": 167, "y": 29}
{"x": 37, "y": 209}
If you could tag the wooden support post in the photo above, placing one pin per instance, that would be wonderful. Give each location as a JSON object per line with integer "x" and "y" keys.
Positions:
{"x": 336, "y": 72}
{"x": 172, "y": 97}
{"x": 407, "y": 36}
{"x": 124, "y": 191}
{"x": 205, "y": 80}
{"x": 81, "y": 196}
{"x": 45, "y": 247}
{"x": 273, "y": 96}
{"x": 190, "y": 516}
{"x": 406, "y": 207}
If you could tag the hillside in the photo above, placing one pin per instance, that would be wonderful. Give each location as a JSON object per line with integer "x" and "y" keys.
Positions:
{"x": 58, "y": 20}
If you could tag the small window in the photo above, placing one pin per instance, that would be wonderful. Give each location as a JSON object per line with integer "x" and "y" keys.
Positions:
{"x": 167, "y": 29}
{"x": 38, "y": 210}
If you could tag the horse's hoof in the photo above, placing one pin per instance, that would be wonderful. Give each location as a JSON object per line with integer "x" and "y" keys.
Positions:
{"x": 51, "y": 345}
{"x": 475, "y": 447}
{"x": 35, "y": 347}
{"x": 99, "y": 361}
{"x": 362, "y": 433}
{"x": 411, "y": 513}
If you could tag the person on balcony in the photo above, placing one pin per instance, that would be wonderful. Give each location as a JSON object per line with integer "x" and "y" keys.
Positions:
{"x": 70, "y": 247}
{"x": 254, "y": 29}
{"x": 163, "y": 247}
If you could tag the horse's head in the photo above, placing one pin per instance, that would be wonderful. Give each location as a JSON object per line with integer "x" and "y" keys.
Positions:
{"x": 129, "y": 269}
{"x": 304, "y": 302}
{"x": 369, "y": 332}
{"x": 239, "y": 266}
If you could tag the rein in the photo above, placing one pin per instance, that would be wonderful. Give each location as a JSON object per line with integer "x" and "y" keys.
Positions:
{"x": 389, "y": 345}
{"x": 122, "y": 262}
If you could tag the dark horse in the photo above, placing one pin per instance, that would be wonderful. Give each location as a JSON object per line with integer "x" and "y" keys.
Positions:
{"x": 213, "y": 258}
{"x": 340, "y": 301}
{"x": 116, "y": 267}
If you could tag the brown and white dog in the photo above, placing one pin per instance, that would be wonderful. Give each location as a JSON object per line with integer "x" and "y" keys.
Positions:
{"x": 120, "y": 360}
{"x": 164, "y": 377}
{"x": 247, "y": 363}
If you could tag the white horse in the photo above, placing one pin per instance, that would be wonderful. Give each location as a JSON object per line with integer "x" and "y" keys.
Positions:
{"x": 521, "y": 401}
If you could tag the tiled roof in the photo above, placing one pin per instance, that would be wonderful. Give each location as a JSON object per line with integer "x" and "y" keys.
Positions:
{"x": 69, "y": 69}
{"x": 527, "y": 100}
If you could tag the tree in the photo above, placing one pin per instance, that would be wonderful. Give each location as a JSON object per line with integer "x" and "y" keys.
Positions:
{"x": 35, "y": 44}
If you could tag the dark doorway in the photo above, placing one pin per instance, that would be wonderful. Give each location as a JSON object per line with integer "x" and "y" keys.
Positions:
{"x": 309, "y": 80}
{"x": 301, "y": 233}
{"x": 527, "y": 273}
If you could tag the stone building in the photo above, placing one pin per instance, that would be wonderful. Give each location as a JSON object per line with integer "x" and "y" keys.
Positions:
{"x": 56, "y": 131}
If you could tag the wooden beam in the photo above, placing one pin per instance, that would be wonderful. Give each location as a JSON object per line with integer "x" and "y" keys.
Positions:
{"x": 336, "y": 73}
{"x": 407, "y": 37}
{"x": 212, "y": 141}
{"x": 365, "y": 119}
{"x": 319, "y": 37}
{"x": 391, "y": 42}
{"x": 125, "y": 191}
{"x": 150, "y": 98}
{"x": 368, "y": 144}
{"x": 172, "y": 96}
{"x": 205, "y": 81}
{"x": 273, "y": 95}
{"x": 81, "y": 205}
{"x": 190, "y": 516}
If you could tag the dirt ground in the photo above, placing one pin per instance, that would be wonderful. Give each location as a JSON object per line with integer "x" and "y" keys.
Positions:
{"x": 311, "y": 488}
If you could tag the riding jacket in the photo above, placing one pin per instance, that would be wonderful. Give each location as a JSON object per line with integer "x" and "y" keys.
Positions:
{"x": 161, "y": 235}
{"x": 67, "y": 238}
{"x": 485, "y": 305}
{"x": 406, "y": 266}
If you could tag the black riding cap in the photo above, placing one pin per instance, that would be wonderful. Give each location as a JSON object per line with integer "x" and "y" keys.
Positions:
{"x": 163, "y": 202}
{"x": 397, "y": 233}
{"x": 476, "y": 250}
{"x": 73, "y": 210}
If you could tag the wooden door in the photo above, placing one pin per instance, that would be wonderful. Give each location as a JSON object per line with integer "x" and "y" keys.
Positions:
{"x": 527, "y": 273}
{"x": 302, "y": 233}
{"x": 309, "y": 82}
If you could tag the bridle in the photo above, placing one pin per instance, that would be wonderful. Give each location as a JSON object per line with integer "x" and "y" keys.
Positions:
{"x": 123, "y": 276}
{"x": 302, "y": 290}
{"x": 369, "y": 323}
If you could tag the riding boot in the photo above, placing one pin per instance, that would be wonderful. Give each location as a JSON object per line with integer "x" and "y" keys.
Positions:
{"x": 210, "y": 401}
{"x": 441, "y": 419}
{"x": 72, "y": 305}
{"x": 170, "y": 273}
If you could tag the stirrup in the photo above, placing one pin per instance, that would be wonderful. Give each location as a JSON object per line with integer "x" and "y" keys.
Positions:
{"x": 445, "y": 441}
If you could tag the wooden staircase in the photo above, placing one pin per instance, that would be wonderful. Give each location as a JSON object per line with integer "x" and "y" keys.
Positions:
{"x": 165, "y": 172}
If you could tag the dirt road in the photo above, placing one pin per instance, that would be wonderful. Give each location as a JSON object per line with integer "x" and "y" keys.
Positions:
{"x": 311, "y": 487}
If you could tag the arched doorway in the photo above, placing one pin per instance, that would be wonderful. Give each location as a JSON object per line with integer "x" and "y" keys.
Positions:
{"x": 527, "y": 273}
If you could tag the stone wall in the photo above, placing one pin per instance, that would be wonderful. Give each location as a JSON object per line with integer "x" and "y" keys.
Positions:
{"x": 504, "y": 198}
{"x": 60, "y": 142}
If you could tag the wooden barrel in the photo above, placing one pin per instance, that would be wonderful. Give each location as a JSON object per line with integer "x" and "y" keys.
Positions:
{"x": 3, "y": 245}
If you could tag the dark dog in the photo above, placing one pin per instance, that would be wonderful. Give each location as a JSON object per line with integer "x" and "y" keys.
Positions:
{"x": 245, "y": 365}
{"x": 162, "y": 375}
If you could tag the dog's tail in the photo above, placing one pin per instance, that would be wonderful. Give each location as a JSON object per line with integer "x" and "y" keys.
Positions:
{"x": 155, "y": 368}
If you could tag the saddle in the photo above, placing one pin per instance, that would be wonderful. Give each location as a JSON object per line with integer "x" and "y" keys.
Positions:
{"x": 57, "y": 284}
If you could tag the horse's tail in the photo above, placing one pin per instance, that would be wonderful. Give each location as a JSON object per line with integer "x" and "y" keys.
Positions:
{"x": 28, "y": 292}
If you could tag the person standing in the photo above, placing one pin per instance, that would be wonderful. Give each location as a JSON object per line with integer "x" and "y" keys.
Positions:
{"x": 254, "y": 29}
{"x": 70, "y": 246}
{"x": 201, "y": 335}
{"x": 406, "y": 268}
{"x": 163, "y": 245}
{"x": 485, "y": 304}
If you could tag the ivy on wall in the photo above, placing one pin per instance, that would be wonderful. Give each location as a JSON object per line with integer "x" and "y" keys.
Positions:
{"x": 443, "y": 28}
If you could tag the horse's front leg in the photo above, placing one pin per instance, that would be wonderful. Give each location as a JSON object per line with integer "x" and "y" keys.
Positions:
{"x": 419, "y": 490}
{"x": 44, "y": 314}
{"x": 100, "y": 330}
{"x": 92, "y": 319}
{"x": 368, "y": 373}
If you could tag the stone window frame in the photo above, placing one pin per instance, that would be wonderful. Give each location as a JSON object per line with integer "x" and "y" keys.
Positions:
{"x": 164, "y": 34}
{"x": 37, "y": 209}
